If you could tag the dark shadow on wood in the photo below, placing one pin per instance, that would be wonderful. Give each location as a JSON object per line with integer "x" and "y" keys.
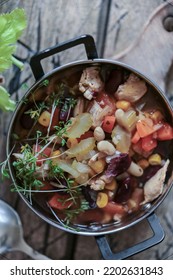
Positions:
{"x": 103, "y": 26}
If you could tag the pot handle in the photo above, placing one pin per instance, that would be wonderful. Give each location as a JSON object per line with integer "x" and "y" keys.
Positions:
{"x": 86, "y": 39}
{"x": 158, "y": 236}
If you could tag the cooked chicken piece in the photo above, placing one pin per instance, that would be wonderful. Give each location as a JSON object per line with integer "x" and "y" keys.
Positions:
{"x": 97, "y": 185}
{"x": 154, "y": 186}
{"x": 132, "y": 90}
{"x": 90, "y": 82}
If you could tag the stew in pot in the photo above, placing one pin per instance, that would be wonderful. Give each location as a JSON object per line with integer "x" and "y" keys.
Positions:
{"x": 93, "y": 147}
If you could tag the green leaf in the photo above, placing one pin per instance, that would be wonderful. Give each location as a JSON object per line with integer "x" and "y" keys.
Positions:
{"x": 11, "y": 27}
{"x": 6, "y": 104}
{"x": 17, "y": 62}
{"x": 5, "y": 57}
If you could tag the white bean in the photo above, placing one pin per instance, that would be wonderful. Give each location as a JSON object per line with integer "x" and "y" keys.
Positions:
{"x": 135, "y": 170}
{"x": 99, "y": 134}
{"x": 119, "y": 114}
{"x": 106, "y": 147}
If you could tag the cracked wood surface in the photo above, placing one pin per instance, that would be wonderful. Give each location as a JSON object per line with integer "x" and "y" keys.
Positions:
{"x": 114, "y": 25}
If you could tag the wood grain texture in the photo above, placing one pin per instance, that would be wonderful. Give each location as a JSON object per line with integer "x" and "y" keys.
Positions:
{"x": 152, "y": 52}
{"x": 54, "y": 21}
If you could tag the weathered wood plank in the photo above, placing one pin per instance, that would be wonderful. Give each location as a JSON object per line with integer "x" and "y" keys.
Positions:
{"x": 52, "y": 22}
{"x": 149, "y": 53}
{"x": 126, "y": 21}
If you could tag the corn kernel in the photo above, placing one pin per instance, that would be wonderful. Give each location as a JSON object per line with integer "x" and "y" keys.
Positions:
{"x": 71, "y": 142}
{"x": 143, "y": 163}
{"x": 44, "y": 118}
{"x": 112, "y": 186}
{"x": 98, "y": 166}
{"x": 123, "y": 104}
{"x": 102, "y": 199}
{"x": 55, "y": 155}
{"x": 157, "y": 116}
{"x": 155, "y": 159}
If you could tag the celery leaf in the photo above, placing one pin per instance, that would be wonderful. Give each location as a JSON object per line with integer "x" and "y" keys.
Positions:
{"x": 6, "y": 104}
{"x": 11, "y": 27}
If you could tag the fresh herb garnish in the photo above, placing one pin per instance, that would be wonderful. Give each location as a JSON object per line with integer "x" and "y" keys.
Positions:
{"x": 45, "y": 83}
{"x": 61, "y": 130}
{"x": 5, "y": 171}
{"x": 25, "y": 168}
{"x": 55, "y": 172}
{"x": 68, "y": 104}
{"x": 71, "y": 214}
{"x": 35, "y": 113}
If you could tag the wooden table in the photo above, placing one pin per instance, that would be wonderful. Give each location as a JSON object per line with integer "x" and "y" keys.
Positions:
{"x": 134, "y": 32}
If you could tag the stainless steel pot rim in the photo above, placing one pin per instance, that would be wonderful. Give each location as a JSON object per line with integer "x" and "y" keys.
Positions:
{"x": 93, "y": 230}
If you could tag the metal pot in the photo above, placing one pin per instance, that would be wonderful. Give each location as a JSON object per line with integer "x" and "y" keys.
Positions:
{"x": 148, "y": 211}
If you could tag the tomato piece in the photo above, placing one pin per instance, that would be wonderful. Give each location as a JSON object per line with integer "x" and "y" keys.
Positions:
{"x": 144, "y": 128}
{"x": 114, "y": 208}
{"x": 108, "y": 123}
{"x": 148, "y": 143}
{"x": 86, "y": 135}
{"x": 137, "y": 147}
{"x": 60, "y": 201}
{"x": 104, "y": 99}
{"x": 165, "y": 132}
{"x": 135, "y": 138}
{"x": 43, "y": 155}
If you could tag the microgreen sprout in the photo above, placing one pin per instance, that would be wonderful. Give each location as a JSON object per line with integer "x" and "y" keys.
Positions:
{"x": 45, "y": 82}
{"x": 61, "y": 130}
{"x": 73, "y": 213}
{"x": 35, "y": 113}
